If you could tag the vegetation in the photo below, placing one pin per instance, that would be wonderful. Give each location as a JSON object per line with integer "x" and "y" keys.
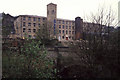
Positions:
{"x": 30, "y": 62}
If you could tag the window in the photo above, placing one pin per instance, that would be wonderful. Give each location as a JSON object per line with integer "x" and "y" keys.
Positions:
{"x": 66, "y": 32}
{"x": 43, "y": 24}
{"x": 69, "y": 22}
{"x": 29, "y": 24}
{"x": 34, "y": 30}
{"x": 29, "y": 18}
{"x": 34, "y": 19}
{"x": 63, "y": 22}
{"x": 34, "y": 24}
{"x": 43, "y": 19}
{"x": 39, "y": 24}
{"x": 69, "y": 37}
{"x": 29, "y": 30}
{"x": 72, "y": 27}
{"x": 52, "y": 11}
{"x": 63, "y": 37}
{"x": 24, "y": 23}
{"x": 72, "y": 32}
{"x": 69, "y": 27}
{"x": 59, "y": 21}
{"x": 24, "y": 18}
{"x": 63, "y": 26}
{"x": 69, "y": 32}
{"x": 63, "y": 31}
{"x": 66, "y": 27}
{"x": 60, "y": 31}
{"x": 54, "y": 21}
{"x": 39, "y": 19}
{"x": 60, "y": 26}
{"x": 23, "y": 29}
{"x": 66, "y": 22}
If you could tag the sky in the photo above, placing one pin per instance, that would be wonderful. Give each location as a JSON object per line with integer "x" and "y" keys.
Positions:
{"x": 66, "y": 9}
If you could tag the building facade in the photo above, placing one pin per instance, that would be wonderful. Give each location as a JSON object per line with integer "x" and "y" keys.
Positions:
{"x": 28, "y": 25}
{"x": 61, "y": 29}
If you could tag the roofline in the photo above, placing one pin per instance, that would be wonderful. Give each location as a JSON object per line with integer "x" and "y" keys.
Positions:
{"x": 33, "y": 16}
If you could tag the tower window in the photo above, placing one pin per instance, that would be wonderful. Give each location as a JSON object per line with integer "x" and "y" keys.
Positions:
{"x": 52, "y": 11}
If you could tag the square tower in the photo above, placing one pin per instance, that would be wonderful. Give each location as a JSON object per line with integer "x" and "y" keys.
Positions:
{"x": 51, "y": 19}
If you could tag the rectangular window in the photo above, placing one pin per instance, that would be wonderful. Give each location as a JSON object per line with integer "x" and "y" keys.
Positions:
{"x": 59, "y": 21}
{"x": 60, "y": 31}
{"x": 34, "y": 30}
{"x": 63, "y": 22}
{"x": 69, "y": 37}
{"x": 63, "y": 37}
{"x": 72, "y": 32}
{"x": 69, "y": 27}
{"x": 29, "y": 18}
{"x": 66, "y": 22}
{"x": 29, "y": 30}
{"x": 72, "y": 27}
{"x": 54, "y": 21}
{"x": 69, "y": 22}
{"x": 29, "y": 24}
{"x": 39, "y": 24}
{"x": 34, "y": 24}
{"x": 24, "y": 23}
{"x": 34, "y": 19}
{"x": 23, "y": 29}
{"x": 69, "y": 32}
{"x": 59, "y": 26}
{"x": 43, "y": 19}
{"x": 39, "y": 19}
{"x": 24, "y": 18}
{"x": 63, "y": 31}
{"x": 66, "y": 32}
{"x": 66, "y": 27}
{"x": 63, "y": 27}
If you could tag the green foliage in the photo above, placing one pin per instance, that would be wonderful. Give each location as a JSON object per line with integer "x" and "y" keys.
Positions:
{"x": 32, "y": 62}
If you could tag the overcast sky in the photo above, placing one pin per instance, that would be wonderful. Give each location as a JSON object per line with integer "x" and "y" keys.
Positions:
{"x": 66, "y": 9}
